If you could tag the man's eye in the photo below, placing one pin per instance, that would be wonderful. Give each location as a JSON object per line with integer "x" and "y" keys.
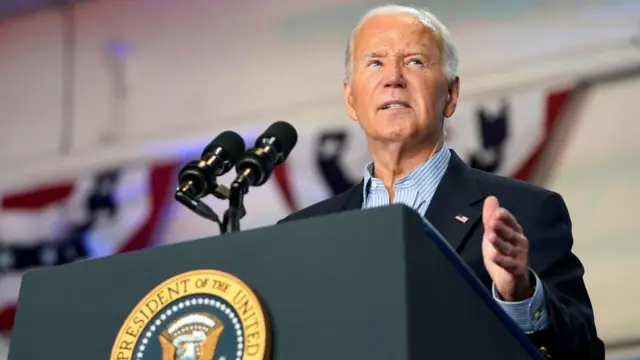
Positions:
{"x": 415, "y": 62}
{"x": 374, "y": 63}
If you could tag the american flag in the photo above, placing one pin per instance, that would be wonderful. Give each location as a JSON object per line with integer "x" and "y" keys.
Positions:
{"x": 100, "y": 214}
{"x": 463, "y": 219}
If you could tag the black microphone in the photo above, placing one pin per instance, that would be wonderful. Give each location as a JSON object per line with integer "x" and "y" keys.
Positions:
{"x": 271, "y": 148}
{"x": 198, "y": 177}
{"x": 256, "y": 166}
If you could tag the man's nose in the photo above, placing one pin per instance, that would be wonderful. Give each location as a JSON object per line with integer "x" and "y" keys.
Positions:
{"x": 395, "y": 78}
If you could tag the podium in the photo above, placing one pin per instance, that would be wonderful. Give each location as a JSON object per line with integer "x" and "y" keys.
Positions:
{"x": 376, "y": 284}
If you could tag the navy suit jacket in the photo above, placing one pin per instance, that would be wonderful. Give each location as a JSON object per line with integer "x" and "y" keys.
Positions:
{"x": 545, "y": 219}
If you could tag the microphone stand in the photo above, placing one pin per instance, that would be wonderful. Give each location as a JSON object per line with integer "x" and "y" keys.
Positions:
{"x": 239, "y": 187}
{"x": 184, "y": 196}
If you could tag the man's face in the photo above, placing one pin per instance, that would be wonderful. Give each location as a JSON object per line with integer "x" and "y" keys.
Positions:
{"x": 398, "y": 90}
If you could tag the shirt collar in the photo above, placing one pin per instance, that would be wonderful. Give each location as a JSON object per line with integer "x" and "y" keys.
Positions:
{"x": 432, "y": 170}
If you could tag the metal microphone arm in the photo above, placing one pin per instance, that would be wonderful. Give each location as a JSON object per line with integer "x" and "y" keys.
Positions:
{"x": 183, "y": 196}
{"x": 236, "y": 211}
{"x": 221, "y": 192}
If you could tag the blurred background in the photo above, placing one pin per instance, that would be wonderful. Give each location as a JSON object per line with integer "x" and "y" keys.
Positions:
{"x": 102, "y": 101}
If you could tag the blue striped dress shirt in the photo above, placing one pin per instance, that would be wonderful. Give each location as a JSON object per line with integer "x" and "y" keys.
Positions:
{"x": 416, "y": 190}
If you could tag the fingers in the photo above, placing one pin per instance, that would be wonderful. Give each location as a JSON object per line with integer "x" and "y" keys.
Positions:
{"x": 502, "y": 229}
{"x": 504, "y": 216}
{"x": 492, "y": 214}
{"x": 511, "y": 265}
{"x": 504, "y": 243}
{"x": 489, "y": 208}
{"x": 499, "y": 245}
{"x": 503, "y": 253}
{"x": 507, "y": 247}
{"x": 508, "y": 234}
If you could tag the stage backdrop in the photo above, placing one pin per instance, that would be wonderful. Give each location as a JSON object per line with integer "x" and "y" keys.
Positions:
{"x": 129, "y": 208}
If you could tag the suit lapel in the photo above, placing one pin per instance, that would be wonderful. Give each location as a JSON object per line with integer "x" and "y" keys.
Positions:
{"x": 354, "y": 198}
{"x": 455, "y": 209}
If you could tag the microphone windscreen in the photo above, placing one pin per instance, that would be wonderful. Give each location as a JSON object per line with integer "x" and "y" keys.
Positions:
{"x": 285, "y": 134}
{"x": 230, "y": 141}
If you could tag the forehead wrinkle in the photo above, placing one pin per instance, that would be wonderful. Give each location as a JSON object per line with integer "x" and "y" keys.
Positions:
{"x": 375, "y": 54}
{"x": 428, "y": 37}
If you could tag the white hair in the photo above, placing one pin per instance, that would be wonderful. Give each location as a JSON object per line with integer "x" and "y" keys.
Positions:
{"x": 450, "y": 51}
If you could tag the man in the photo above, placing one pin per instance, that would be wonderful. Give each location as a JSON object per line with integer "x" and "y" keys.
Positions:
{"x": 401, "y": 83}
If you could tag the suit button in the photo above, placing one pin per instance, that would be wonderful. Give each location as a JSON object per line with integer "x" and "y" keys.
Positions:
{"x": 544, "y": 352}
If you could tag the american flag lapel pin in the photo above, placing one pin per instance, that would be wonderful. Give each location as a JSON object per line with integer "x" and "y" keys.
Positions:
{"x": 463, "y": 219}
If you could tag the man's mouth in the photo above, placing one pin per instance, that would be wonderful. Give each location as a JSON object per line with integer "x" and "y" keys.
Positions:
{"x": 392, "y": 105}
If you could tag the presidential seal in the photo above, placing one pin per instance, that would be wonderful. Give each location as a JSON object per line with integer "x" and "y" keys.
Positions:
{"x": 198, "y": 315}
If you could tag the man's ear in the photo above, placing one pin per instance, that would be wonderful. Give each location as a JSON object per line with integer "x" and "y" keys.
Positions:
{"x": 452, "y": 98}
{"x": 348, "y": 100}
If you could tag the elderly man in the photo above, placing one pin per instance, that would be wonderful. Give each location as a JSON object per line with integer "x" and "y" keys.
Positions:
{"x": 401, "y": 83}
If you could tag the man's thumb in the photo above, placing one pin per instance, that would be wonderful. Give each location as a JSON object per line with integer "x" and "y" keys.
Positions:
{"x": 490, "y": 206}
